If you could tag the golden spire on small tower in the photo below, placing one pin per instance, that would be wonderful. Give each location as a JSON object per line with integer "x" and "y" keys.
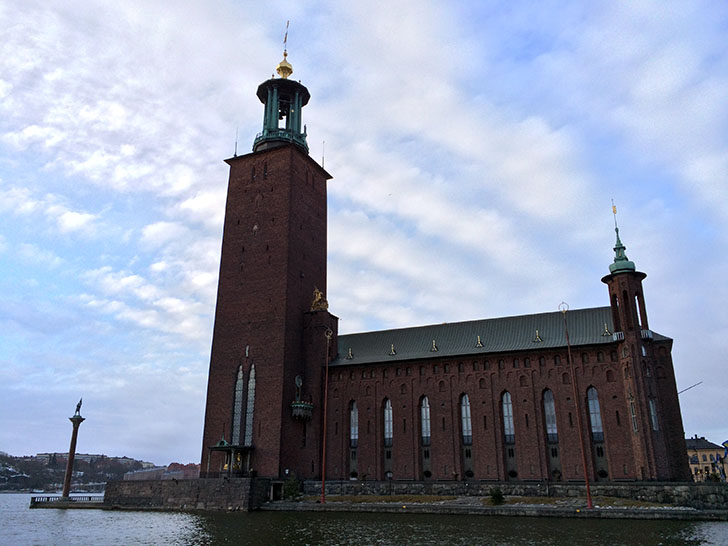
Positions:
{"x": 284, "y": 68}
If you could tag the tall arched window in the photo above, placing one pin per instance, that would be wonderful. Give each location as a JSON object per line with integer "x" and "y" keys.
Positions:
{"x": 595, "y": 415}
{"x": 653, "y": 415}
{"x": 467, "y": 424}
{"x": 508, "y": 428}
{"x": 237, "y": 408}
{"x": 250, "y": 407}
{"x": 425, "y": 420}
{"x": 549, "y": 411}
{"x": 353, "y": 425}
{"x": 388, "y": 428}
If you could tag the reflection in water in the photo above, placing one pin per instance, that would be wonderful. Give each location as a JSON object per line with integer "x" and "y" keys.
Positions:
{"x": 419, "y": 529}
{"x": 20, "y": 525}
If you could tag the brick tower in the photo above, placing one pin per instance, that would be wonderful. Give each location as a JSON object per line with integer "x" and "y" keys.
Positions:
{"x": 647, "y": 376}
{"x": 268, "y": 344}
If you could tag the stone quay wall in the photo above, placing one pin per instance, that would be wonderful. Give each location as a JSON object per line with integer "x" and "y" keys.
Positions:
{"x": 244, "y": 494}
{"x": 704, "y": 496}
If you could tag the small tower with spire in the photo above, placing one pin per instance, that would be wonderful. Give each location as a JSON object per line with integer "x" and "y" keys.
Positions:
{"x": 634, "y": 350}
{"x": 625, "y": 291}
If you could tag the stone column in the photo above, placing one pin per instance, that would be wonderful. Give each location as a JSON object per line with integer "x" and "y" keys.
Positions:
{"x": 76, "y": 420}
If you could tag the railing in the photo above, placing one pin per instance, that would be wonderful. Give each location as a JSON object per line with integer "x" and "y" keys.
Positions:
{"x": 228, "y": 474}
{"x": 49, "y": 499}
{"x": 618, "y": 336}
{"x": 646, "y": 334}
{"x": 302, "y": 410}
{"x": 281, "y": 134}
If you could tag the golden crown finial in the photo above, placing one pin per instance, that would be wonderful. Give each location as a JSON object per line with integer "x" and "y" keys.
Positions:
{"x": 284, "y": 68}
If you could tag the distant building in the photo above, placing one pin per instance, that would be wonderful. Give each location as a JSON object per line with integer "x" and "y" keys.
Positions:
{"x": 47, "y": 458}
{"x": 705, "y": 459}
{"x": 492, "y": 399}
{"x": 151, "y": 473}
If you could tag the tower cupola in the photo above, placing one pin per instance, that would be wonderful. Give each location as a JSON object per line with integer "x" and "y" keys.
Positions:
{"x": 283, "y": 100}
{"x": 621, "y": 263}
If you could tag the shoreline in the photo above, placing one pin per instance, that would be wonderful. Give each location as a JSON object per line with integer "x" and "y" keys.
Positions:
{"x": 462, "y": 506}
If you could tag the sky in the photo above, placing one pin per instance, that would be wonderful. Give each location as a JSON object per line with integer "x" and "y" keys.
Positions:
{"x": 475, "y": 149}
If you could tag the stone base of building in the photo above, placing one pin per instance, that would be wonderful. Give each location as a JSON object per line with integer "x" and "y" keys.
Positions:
{"x": 218, "y": 494}
{"x": 703, "y": 496}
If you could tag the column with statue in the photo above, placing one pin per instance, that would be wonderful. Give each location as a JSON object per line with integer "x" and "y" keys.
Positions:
{"x": 76, "y": 420}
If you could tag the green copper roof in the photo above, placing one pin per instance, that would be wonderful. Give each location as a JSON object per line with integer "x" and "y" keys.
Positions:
{"x": 621, "y": 263}
{"x": 477, "y": 337}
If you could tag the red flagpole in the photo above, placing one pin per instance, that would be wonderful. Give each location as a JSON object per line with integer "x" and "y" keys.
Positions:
{"x": 328, "y": 333}
{"x": 564, "y": 307}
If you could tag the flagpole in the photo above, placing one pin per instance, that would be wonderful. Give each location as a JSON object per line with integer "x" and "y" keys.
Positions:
{"x": 564, "y": 307}
{"x": 328, "y": 334}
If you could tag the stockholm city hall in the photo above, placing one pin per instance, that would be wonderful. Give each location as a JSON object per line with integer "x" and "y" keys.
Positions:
{"x": 502, "y": 399}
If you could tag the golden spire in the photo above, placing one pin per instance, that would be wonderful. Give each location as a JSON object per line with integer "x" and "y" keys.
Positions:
{"x": 284, "y": 68}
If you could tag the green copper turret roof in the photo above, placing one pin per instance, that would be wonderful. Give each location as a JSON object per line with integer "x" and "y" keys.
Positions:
{"x": 621, "y": 263}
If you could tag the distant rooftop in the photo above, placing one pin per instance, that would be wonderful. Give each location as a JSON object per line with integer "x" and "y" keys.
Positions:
{"x": 478, "y": 337}
{"x": 701, "y": 443}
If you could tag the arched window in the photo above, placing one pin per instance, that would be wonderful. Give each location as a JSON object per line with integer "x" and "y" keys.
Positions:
{"x": 467, "y": 424}
{"x": 388, "y": 428}
{"x": 595, "y": 415}
{"x": 238, "y": 407}
{"x": 549, "y": 411}
{"x": 653, "y": 415}
{"x": 353, "y": 424}
{"x": 508, "y": 428}
{"x": 250, "y": 407}
{"x": 425, "y": 420}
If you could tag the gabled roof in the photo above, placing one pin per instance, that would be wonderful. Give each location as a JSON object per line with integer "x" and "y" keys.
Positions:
{"x": 701, "y": 443}
{"x": 497, "y": 335}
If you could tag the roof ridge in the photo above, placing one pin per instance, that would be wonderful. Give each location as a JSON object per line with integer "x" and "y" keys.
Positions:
{"x": 472, "y": 321}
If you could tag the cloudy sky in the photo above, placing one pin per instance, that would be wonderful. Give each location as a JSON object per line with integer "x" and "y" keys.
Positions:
{"x": 475, "y": 151}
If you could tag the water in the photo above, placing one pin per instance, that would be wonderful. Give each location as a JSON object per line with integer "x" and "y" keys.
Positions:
{"x": 20, "y": 526}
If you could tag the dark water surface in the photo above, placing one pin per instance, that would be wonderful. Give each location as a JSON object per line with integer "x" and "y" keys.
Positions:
{"x": 20, "y": 526}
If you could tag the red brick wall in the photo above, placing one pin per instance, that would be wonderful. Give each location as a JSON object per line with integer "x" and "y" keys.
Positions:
{"x": 404, "y": 385}
{"x": 273, "y": 255}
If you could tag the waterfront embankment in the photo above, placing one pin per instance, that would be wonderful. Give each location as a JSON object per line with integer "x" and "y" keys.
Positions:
{"x": 606, "y": 508}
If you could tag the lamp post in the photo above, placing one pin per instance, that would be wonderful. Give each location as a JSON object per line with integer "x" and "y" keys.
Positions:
{"x": 76, "y": 420}
{"x": 328, "y": 334}
{"x": 564, "y": 307}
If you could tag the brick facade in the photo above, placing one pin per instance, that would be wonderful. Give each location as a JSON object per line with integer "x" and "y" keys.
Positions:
{"x": 274, "y": 256}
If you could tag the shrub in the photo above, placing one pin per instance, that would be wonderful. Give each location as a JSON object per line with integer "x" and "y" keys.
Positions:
{"x": 291, "y": 488}
{"x": 496, "y": 496}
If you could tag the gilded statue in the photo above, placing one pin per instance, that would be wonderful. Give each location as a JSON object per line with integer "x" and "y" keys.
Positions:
{"x": 319, "y": 301}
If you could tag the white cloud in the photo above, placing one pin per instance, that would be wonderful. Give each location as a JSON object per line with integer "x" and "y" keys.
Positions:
{"x": 161, "y": 233}
{"x": 43, "y": 257}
